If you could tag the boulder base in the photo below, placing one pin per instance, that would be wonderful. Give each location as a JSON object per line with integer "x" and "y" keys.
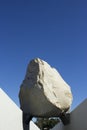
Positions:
{"x": 43, "y": 92}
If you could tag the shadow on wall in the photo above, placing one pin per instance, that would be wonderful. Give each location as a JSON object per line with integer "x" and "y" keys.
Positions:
{"x": 78, "y": 119}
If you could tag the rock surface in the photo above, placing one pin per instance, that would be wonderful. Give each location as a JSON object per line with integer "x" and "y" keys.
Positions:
{"x": 43, "y": 92}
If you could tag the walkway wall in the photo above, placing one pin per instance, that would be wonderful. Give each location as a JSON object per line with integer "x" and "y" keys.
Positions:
{"x": 78, "y": 119}
{"x": 11, "y": 115}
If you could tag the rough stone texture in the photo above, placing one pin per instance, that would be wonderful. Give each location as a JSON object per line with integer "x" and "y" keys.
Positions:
{"x": 43, "y": 92}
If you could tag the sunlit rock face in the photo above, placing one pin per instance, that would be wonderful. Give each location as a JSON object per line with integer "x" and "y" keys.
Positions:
{"x": 43, "y": 92}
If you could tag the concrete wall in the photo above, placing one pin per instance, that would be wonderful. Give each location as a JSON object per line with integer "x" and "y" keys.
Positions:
{"x": 11, "y": 115}
{"x": 78, "y": 119}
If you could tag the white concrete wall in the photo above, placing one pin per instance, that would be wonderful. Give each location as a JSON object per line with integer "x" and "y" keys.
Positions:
{"x": 11, "y": 115}
{"x": 78, "y": 119}
{"x": 33, "y": 126}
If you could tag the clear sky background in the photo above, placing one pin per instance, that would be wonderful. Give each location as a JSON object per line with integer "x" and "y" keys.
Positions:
{"x": 53, "y": 30}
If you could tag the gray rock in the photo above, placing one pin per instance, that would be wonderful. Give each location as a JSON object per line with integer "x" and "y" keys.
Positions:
{"x": 43, "y": 92}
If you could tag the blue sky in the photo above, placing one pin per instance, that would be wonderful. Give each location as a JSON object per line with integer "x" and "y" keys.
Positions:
{"x": 53, "y": 30}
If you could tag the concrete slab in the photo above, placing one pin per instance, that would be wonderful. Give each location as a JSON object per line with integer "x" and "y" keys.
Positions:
{"x": 11, "y": 115}
{"x": 78, "y": 119}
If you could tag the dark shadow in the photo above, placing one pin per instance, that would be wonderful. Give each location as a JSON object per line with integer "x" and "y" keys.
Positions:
{"x": 65, "y": 118}
{"x": 26, "y": 121}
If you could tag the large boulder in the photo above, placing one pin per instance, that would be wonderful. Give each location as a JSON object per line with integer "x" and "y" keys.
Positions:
{"x": 43, "y": 92}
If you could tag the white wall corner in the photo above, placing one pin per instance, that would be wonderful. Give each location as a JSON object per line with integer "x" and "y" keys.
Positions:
{"x": 11, "y": 115}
